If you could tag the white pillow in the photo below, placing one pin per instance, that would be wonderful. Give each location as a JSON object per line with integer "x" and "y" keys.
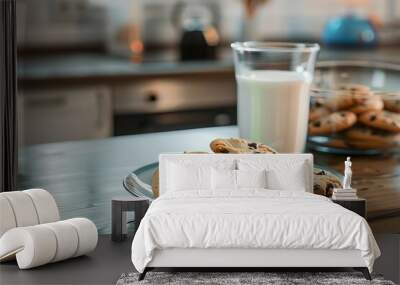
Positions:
{"x": 228, "y": 179}
{"x": 294, "y": 180}
{"x": 223, "y": 179}
{"x": 251, "y": 178}
{"x": 282, "y": 174}
{"x": 183, "y": 177}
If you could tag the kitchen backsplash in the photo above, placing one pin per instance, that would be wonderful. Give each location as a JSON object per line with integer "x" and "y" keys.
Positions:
{"x": 58, "y": 22}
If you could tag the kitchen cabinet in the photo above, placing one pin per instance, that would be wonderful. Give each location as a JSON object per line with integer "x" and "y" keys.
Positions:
{"x": 171, "y": 103}
{"x": 59, "y": 110}
{"x": 65, "y": 114}
{"x": 174, "y": 94}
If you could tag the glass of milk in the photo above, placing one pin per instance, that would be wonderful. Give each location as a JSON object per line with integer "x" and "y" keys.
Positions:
{"x": 273, "y": 82}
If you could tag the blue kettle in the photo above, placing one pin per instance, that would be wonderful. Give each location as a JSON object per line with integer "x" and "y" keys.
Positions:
{"x": 350, "y": 31}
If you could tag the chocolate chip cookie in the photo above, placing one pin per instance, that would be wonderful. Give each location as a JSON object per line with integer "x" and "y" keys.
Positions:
{"x": 341, "y": 100}
{"x": 332, "y": 123}
{"x": 351, "y": 95}
{"x": 383, "y": 120}
{"x": 324, "y": 182}
{"x": 354, "y": 88}
{"x": 318, "y": 112}
{"x": 369, "y": 138}
{"x": 366, "y": 103}
{"x": 238, "y": 145}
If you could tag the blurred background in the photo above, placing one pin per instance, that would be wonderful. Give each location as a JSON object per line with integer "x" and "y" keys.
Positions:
{"x": 93, "y": 69}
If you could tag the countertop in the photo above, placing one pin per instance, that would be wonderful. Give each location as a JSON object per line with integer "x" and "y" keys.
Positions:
{"x": 96, "y": 66}
{"x": 83, "y": 176}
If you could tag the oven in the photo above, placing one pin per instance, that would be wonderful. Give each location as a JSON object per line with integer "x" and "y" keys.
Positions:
{"x": 174, "y": 103}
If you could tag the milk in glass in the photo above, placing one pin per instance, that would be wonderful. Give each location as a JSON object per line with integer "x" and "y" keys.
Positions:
{"x": 273, "y": 108}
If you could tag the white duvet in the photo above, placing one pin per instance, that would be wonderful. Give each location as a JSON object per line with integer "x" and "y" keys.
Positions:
{"x": 250, "y": 219}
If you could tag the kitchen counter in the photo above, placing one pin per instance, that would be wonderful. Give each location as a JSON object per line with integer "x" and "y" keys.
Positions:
{"x": 85, "y": 68}
{"x": 83, "y": 176}
{"x": 98, "y": 65}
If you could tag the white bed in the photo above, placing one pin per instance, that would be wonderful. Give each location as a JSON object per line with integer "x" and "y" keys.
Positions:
{"x": 205, "y": 226}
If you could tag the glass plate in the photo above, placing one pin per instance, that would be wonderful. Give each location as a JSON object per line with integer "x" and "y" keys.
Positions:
{"x": 138, "y": 182}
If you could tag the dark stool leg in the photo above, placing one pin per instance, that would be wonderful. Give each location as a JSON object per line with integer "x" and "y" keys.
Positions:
{"x": 116, "y": 217}
{"x": 364, "y": 271}
{"x": 120, "y": 207}
{"x": 143, "y": 274}
{"x": 118, "y": 226}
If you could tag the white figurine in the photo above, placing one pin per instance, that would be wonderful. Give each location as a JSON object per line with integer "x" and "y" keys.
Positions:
{"x": 347, "y": 174}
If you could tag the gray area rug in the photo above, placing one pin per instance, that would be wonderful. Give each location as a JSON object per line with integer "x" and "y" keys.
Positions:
{"x": 229, "y": 278}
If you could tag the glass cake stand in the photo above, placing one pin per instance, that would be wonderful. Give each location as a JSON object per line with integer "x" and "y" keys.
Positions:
{"x": 382, "y": 78}
{"x": 138, "y": 182}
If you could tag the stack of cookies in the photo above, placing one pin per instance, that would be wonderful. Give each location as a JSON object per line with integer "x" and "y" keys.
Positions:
{"x": 354, "y": 116}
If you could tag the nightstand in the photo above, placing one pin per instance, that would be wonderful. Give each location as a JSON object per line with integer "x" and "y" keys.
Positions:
{"x": 119, "y": 208}
{"x": 358, "y": 206}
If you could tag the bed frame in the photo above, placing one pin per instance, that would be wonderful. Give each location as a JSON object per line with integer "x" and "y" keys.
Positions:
{"x": 248, "y": 259}
{"x": 259, "y": 259}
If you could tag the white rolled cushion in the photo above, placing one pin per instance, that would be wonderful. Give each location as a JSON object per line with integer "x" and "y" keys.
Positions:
{"x": 251, "y": 178}
{"x": 37, "y": 245}
{"x": 23, "y": 208}
{"x": 33, "y": 246}
{"x": 7, "y": 218}
{"x": 67, "y": 239}
{"x": 46, "y": 207}
{"x": 26, "y": 208}
{"x": 87, "y": 235}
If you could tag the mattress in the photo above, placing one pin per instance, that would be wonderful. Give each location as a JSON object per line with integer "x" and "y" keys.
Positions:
{"x": 250, "y": 219}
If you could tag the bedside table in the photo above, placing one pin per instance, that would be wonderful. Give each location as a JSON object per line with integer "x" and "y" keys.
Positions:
{"x": 358, "y": 206}
{"x": 119, "y": 208}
